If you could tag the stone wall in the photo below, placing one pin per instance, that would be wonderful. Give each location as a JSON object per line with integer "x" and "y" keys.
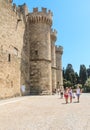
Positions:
{"x": 27, "y": 51}
{"x": 11, "y": 44}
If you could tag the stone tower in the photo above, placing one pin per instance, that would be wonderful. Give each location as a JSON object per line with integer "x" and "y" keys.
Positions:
{"x": 40, "y": 51}
{"x": 53, "y": 56}
{"x": 59, "y": 52}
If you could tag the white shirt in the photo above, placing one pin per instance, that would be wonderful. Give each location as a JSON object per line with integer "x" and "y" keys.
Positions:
{"x": 78, "y": 91}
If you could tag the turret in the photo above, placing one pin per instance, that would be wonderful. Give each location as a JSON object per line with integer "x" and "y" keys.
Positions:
{"x": 53, "y": 56}
{"x": 39, "y": 25}
{"x": 53, "y": 35}
{"x": 59, "y": 52}
{"x": 53, "y": 40}
{"x": 59, "y": 49}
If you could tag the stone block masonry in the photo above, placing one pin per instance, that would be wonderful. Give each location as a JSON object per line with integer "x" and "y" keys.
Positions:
{"x": 27, "y": 51}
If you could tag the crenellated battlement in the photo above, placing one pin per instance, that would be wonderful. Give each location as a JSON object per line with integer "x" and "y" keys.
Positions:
{"x": 59, "y": 49}
{"x": 43, "y": 10}
{"x": 53, "y": 35}
{"x": 42, "y": 16}
{"x": 21, "y": 8}
{"x": 21, "y": 11}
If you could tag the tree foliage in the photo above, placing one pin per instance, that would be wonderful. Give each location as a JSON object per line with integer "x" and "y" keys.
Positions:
{"x": 70, "y": 76}
{"x": 88, "y": 72}
{"x": 87, "y": 85}
{"x": 83, "y": 74}
{"x": 88, "y": 82}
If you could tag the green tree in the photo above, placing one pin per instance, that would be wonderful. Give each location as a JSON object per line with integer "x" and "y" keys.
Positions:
{"x": 63, "y": 73}
{"x": 76, "y": 78}
{"x": 82, "y": 74}
{"x": 88, "y": 72}
{"x": 66, "y": 83}
{"x": 70, "y": 74}
{"x": 87, "y": 85}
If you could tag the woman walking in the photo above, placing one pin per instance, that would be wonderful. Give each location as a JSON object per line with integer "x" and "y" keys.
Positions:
{"x": 70, "y": 94}
{"x": 66, "y": 94}
{"x": 78, "y": 92}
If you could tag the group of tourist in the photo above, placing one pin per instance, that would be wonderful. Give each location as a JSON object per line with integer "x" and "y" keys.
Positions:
{"x": 69, "y": 94}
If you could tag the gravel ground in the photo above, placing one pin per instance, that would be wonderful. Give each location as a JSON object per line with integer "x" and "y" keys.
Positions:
{"x": 45, "y": 113}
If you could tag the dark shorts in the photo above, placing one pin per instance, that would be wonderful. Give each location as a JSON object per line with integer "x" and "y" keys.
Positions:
{"x": 78, "y": 95}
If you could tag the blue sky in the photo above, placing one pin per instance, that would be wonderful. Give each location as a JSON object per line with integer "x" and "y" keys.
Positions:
{"x": 71, "y": 19}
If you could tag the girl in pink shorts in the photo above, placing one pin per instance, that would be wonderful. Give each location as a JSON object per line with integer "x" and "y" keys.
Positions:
{"x": 66, "y": 94}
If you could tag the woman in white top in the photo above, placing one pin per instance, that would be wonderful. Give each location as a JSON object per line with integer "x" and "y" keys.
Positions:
{"x": 70, "y": 94}
{"x": 78, "y": 92}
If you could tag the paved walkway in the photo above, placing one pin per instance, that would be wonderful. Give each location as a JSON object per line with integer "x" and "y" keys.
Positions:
{"x": 44, "y": 113}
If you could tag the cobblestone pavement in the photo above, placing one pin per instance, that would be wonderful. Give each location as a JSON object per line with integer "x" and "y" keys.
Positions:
{"x": 44, "y": 113}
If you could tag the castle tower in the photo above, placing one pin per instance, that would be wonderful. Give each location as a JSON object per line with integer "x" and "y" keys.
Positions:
{"x": 40, "y": 51}
{"x": 59, "y": 52}
{"x": 53, "y": 56}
